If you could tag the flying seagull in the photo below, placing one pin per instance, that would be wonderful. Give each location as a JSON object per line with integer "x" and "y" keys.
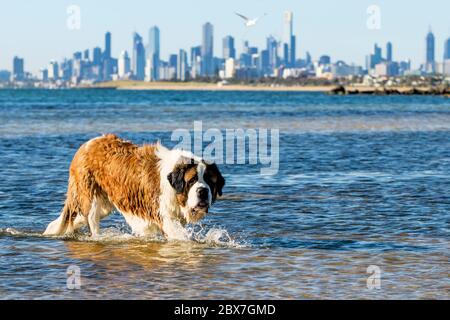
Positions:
{"x": 248, "y": 22}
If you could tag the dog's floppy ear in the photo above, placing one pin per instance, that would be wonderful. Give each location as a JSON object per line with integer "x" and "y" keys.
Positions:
{"x": 217, "y": 183}
{"x": 176, "y": 179}
{"x": 220, "y": 183}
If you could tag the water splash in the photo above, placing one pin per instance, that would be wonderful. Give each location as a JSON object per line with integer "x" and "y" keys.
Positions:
{"x": 214, "y": 236}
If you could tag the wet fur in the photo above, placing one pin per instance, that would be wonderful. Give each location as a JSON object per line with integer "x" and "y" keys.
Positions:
{"x": 147, "y": 184}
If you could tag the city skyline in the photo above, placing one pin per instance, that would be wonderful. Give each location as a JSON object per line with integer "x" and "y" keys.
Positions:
{"x": 277, "y": 59}
{"x": 323, "y": 31}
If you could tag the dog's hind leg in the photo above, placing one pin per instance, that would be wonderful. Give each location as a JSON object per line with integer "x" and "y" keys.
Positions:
{"x": 94, "y": 217}
{"x": 59, "y": 226}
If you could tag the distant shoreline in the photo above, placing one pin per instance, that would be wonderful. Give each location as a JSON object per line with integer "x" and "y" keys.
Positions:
{"x": 352, "y": 89}
{"x": 202, "y": 86}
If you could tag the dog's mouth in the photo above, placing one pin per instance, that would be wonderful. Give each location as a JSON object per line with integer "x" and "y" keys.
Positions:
{"x": 200, "y": 209}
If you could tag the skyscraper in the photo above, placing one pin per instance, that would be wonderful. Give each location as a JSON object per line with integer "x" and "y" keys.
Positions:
{"x": 107, "y": 61}
{"x": 173, "y": 66}
{"x": 97, "y": 56}
{"x": 375, "y": 58}
{"x": 447, "y": 49}
{"x": 86, "y": 55}
{"x": 123, "y": 64}
{"x": 153, "y": 52}
{"x": 292, "y": 56}
{"x": 446, "y": 62}
{"x": 196, "y": 61}
{"x": 18, "y": 69}
{"x": 53, "y": 70}
{"x": 430, "y": 47}
{"x": 272, "y": 48}
{"x": 208, "y": 50}
{"x": 228, "y": 47}
{"x": 182, "y": 65}
{"x": 288, "y": 46}
{"x": 430, "y": 50}
{"x": 389, "y": 52}
{"x": 138, "y": 58}
{"x": 288, "y": 26}
{"x": 107, "y": 52}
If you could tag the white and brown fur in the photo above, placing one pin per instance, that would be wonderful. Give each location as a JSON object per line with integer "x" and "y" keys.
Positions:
{"x": 154, "y": 188}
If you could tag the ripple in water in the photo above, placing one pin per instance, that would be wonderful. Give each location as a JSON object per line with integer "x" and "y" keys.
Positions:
{"x": 195, "y": 233}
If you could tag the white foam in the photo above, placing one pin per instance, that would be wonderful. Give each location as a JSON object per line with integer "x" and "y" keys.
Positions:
{"x": 214, "y": 236}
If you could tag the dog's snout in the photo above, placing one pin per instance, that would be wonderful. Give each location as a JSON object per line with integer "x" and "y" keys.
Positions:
{"x": 202, "y": 193}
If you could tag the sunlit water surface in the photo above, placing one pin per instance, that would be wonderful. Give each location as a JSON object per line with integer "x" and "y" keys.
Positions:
{"x": 362, "y": 181}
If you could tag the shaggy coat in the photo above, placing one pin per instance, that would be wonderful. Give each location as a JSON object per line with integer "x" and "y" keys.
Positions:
{"x": 151, "y": 186}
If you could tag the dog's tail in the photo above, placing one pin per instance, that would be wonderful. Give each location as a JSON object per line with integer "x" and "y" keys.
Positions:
{"x": 61, "y": 225}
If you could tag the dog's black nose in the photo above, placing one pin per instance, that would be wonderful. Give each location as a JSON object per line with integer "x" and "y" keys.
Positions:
{"x": 202, "y": 193}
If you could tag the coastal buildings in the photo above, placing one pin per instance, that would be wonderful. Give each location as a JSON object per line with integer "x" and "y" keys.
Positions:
{"x": 53, "y": 71}
{"x": 153, "y": 53}
{"x": 430, "y": 53}
{"x": 18, "y": 73}
{"x": 228, "y": 48}
{"x": 182, "y": 65}
{"x": 389, "y": 52}
{"x": 124, "y": 65}
{"x": 289, "y": 42}
{"x": 276, "y": 59}
{"x": 138, "y": 58}
{"x": 207, "y": 50}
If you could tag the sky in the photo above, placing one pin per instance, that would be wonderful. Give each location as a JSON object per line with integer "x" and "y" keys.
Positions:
{"x": 38, "y": 31}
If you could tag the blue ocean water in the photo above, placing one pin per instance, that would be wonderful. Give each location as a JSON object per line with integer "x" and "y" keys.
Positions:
{"x": 362, "y": 181}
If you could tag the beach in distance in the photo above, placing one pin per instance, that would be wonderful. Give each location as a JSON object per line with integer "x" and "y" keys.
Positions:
{"x": 206, "y": 86}
{"x": 274, "y": 87}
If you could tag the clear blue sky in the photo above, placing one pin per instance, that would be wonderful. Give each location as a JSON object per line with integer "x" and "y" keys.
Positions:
{"x": 36, "y": 30}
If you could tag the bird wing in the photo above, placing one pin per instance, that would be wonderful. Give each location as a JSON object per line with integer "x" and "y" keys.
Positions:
{"x": 243, "y": 17}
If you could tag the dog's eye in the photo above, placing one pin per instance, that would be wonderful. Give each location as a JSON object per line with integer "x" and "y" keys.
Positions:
{"x": 192, "y": 181}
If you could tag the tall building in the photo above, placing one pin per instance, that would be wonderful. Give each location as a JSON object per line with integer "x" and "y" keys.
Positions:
{"x": 207, "y": 50}
{"x": 97, "y": 56}
{"x": 153, "y": 53}
{"x": 173, "y": 66}
{"x": 228, "y": 47}
{"x": 289, "y": 45}
{"x": 123, "y": 65}
{"x": 430, "y": 65}
{"x": 447, "y": 49}
{"x": 53, "y": 70}
{"x": 375, "y": 58}
{"x": 86, "y": 55}
{"x": 18, "y": 73}
{"x": 263, "y": 63}
{"x": 107, "y": 63}
{"x": 182, "y": 65}
{"x": 389, "y": 52}
{"x": 138, "y": 58}
{"x": 196, "y": 61}
{"x": 272, "y": 48}
{"x": 430, "y": 48}
{"x": 107, "y": 52}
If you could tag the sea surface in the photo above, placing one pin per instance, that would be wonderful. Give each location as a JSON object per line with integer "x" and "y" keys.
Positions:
{"x": 362, "y": 194}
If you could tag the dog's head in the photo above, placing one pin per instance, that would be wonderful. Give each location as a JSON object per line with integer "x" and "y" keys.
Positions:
{"x": 197, "y": 186}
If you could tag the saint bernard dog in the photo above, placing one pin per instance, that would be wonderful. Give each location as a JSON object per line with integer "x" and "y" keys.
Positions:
{"x": 154, "y": 188}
